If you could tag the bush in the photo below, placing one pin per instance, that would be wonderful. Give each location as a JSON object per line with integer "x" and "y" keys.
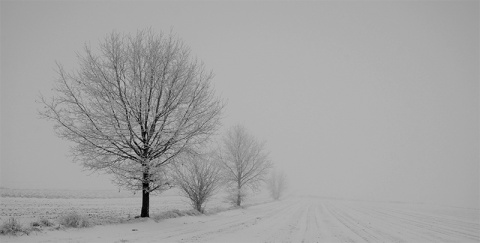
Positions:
{"x": 166, "y": 215}
{"x": 13, "y": 227}
{"x": 35, "y": 224}
{"x": 174, "y": 214}
{"x": 75, "y": 220}
{"x": 197, "y": 176}
{"x": 192, "y": 212}
{"x": 215, "y": 210}
{"x": 43, "y": 222}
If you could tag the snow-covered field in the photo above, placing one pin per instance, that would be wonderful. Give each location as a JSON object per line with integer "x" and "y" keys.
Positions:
{"x": 102, "y": 207}
{"x": 100, "y": 210}
{"x": 295, "y": 219}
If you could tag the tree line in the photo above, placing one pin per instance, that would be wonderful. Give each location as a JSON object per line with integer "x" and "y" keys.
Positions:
{"x": 143, "y": 110}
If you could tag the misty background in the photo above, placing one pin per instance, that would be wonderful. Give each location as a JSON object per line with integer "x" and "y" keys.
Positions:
{"x": 364, "y": 100}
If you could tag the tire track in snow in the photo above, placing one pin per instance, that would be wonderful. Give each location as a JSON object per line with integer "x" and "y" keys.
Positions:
{"x": 312, "y": 231}
{"x": 410, "y": 229}
{"x": 454, "y": 226}
{"x": 370, "y": 224}
{"x": 254, "y": 218}
{"x": 424, "y": 227}
{"x": 349, "y": 223}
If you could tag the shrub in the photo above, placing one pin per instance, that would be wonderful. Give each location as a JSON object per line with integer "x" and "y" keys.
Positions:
{"x": 175, "y": 213}
{"x": 198, "y": 176}
{"x": 43, "y": 222}
{"x": 13, "y": 227}
{"x": 75, "y": 220}
{"x": 192, "y": 212}
{"x": 166, "y": 215}
{"x": 58, "y": 227}
{"x": 215, "y": 210}
{"x": 36, "y": 229}
{"x": 35, "y": 224}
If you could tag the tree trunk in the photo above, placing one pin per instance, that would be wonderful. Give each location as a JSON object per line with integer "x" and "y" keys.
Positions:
{"x": 145, "y": 199}
{"x": 199, "y": 207}
{"x": 239, "y": 197}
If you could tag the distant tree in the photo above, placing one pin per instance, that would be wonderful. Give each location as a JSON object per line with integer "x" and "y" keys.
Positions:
{"x": 198, "y": 177}
{"x": 133, "y": 106}
{"x": 277, "y": 184}
{"x": 244, "y": 163}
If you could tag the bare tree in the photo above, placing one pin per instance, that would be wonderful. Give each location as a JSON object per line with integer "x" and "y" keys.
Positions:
{"x": 244, "y": 163}
{"x": 198, "y": 177}
{"x": 277, "y": 184}
{"x": 133, "y": 106}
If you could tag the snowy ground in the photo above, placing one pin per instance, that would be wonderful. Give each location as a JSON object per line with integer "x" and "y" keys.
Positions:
{"x": 101, "y": 207}
{"x": 99, "y": 210}
{"x": 300, "y": 219}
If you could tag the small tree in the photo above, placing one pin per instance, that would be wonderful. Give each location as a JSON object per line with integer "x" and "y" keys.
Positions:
{"x": 277, "y": 184}
{"x": 133, "y": 106}
{"x": 244, "y": 163}
{"x": 198, "y": 177}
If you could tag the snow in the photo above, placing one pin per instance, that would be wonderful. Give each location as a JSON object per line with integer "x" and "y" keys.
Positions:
{"x": 299, "y": 219}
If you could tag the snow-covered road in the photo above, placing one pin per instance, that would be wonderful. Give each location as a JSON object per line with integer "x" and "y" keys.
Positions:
{"x": 293, "y": 220}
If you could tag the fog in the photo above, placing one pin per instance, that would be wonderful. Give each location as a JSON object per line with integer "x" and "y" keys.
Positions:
{"x": 359, "y": 100}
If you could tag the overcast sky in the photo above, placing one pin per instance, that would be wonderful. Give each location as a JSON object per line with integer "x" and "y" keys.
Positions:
{"x": 369, "y": 100}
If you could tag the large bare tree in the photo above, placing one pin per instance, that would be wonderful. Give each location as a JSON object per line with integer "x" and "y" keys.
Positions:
{"x": 198, "y": 177}
{"x": 133, "y": 105}
{"x": 244, "y": 161}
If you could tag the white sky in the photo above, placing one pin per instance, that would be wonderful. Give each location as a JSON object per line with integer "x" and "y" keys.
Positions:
{"x": 369, "y": 100}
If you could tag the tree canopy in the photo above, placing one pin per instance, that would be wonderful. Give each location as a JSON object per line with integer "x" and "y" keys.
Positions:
{"x": 132, "y": 106}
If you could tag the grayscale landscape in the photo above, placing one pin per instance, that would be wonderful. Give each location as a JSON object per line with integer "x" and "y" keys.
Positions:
{"x": 293, "y": 219}
{"x": 239, "y": 121}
